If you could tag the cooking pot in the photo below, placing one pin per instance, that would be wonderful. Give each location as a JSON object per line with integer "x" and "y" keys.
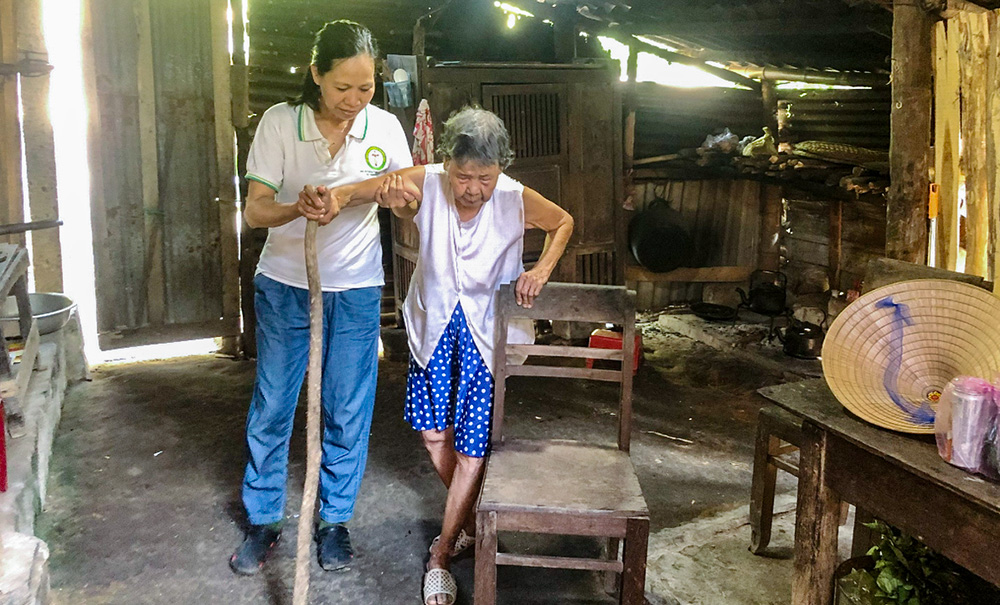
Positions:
{"x": 712, "y": 312}
{"x": 802, "y": 339}
{"x": 658, "y": 237}
{"x": 767, "y": 293}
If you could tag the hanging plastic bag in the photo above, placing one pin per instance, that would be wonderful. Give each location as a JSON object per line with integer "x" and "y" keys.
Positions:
{"x": 966, "y": 415}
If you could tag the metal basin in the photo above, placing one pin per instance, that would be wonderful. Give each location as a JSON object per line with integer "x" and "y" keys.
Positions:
{"x": 51, "y": 311}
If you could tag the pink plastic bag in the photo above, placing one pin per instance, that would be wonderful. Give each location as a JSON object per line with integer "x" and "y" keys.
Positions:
{"x": 966, "y": 417}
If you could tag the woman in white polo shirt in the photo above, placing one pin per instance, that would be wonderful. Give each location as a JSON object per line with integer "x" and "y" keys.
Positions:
{"x": 330, "y": 135}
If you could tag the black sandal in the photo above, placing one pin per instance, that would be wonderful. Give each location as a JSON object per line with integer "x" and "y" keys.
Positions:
{"x": 250, "y": 556}
{"x": 334, "y": 546}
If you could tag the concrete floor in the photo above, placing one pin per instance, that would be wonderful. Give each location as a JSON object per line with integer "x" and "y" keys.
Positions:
{"x": 144, "y": 502}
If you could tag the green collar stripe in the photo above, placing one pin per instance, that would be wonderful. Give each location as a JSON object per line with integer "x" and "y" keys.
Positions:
{"x": 302, "y": 123}
{"x": 254, "y": 177}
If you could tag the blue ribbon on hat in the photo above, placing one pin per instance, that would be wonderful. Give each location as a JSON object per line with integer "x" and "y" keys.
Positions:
{"x": 923, "y": 414}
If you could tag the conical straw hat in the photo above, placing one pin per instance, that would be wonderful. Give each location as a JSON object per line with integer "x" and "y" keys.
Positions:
{"x": 888, "y": 356}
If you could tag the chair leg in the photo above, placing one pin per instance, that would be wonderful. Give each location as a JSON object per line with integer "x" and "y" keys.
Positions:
{"x": 611, "y": 577}
{"x": 765, "y": 475}
{"x": 633, "y": 584}
{"x": 486, "y": 558}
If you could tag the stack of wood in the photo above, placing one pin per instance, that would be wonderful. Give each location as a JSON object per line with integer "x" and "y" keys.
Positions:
{"x": 786, "y": 167}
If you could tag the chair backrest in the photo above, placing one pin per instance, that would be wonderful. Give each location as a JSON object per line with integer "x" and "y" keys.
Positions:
{"x": 567, "y": 302}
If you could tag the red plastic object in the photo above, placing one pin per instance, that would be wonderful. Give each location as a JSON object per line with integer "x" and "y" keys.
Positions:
{"x": 3, "y": 450}
{"x": 609, "y": 339}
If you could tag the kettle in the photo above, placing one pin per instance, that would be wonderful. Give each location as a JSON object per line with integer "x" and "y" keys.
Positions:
{"x": 767, "y": 293}
{"x": 802, "y": 339}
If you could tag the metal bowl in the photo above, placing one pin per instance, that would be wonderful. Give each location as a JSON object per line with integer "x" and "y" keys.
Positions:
{"x": 51, "y": 311}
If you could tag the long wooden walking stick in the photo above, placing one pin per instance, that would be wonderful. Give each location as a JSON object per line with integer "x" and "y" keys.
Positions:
{"x": 300, "y": 594}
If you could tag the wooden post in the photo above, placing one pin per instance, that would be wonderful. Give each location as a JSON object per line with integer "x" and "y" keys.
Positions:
{"x": 946, "y": 130}
{"x": 225, "y": 166}
{"x": 153, "y": 210}
{"x": 770, "y": 227}
{"x": 836, "y": 241}
{"x": 629, "y": 137}
{"x": 11, "y": 200}
{"x": 240, "y": 83}
{"x": 769, "y": 96}
{"x": 39, "y": 148}
{"x": 973, "y": 67}
{"x": 909, "y": 162}
{"x": 565, "y": 32}
{"x": 419, "y": 38}
{"x": 993, "y": 137}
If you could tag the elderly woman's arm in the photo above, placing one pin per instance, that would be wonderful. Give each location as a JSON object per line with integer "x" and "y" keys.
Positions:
{"x": 400, "y": 191}
{"x": 540, "y": 213}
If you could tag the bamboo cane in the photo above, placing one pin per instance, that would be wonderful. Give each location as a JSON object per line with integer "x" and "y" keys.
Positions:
{"x": 300, "y": 593}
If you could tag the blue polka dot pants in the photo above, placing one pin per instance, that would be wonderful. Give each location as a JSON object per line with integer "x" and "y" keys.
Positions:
{"x": 456, "y": 389}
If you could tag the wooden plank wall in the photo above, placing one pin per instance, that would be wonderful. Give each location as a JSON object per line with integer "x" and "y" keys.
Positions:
{"x": 812, "y": 253}
{"x": 993, "y": 134}
{"x": 163, "y": 203}
{"x": 39, "y": 148}
{"x": 972, "y": 55}
{"x": 11, "y": 205}
{"x": 724, "y": 218}
{"x": 947, "y": 117}
{"x": 965, "y": 108}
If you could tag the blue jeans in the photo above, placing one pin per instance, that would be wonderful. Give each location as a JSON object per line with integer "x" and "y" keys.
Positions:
{"x": 350, "y": 368}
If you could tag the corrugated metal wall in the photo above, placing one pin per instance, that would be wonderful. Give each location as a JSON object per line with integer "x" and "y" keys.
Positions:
{"x": 281, "y": 36}
{"x": 857, "y": 117}
{"x": 670, "y": 119}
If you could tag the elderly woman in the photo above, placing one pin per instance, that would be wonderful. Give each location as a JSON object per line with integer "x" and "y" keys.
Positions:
{"x": 471, "y": 218}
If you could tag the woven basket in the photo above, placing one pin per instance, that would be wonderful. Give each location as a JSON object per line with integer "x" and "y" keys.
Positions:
{"x": 889, "y": 355}
{"x": 840, "y": 152}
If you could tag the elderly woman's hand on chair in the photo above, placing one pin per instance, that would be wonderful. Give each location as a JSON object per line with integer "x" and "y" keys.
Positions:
{"x": 529, "y": 286}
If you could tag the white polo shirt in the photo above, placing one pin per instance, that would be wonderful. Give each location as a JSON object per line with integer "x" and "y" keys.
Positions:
{"x": 289, "y": 152}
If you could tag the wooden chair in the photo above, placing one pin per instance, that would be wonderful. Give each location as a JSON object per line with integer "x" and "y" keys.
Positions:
{"x": 778, "y": 433}
{"x": 564, "y": 487}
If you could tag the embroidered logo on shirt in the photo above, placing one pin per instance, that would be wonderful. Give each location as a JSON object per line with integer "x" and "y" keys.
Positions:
{"x": 376, "y": 158}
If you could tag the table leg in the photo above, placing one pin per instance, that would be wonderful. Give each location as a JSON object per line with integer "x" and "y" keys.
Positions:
{"x": 862, "y": 539}
{"x": 816, "y": 522}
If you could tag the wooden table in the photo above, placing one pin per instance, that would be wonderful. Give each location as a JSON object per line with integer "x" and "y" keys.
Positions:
{"x": 897, "y": 478}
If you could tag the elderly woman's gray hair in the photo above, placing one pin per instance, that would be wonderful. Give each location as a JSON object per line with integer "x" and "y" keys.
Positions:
{"x": 478, "y": 135}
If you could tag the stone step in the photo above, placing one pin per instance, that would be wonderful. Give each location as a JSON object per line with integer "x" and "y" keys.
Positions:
{"x": 24, "y": 575}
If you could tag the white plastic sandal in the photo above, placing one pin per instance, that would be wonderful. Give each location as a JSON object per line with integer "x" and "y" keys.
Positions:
{"x": 437, "y": 583}
{"x": 463, "y": 542}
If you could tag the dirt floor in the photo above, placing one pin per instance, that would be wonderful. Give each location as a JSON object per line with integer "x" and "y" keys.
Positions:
{"x": 144, "y": 498}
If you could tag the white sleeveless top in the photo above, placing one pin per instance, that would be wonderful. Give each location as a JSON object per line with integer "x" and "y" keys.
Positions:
{"x": 464, "y": 262}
